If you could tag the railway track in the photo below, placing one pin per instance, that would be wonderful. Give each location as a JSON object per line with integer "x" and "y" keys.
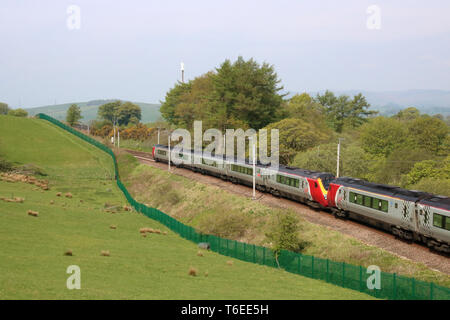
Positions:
{"x": 366, "y": 234}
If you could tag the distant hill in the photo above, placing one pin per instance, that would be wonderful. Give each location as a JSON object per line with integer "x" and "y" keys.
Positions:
{"x": 150, "y": 112}
{"x": 390, "y": 102}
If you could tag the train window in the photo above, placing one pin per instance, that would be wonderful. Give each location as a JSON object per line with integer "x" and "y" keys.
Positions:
{"x": 384, "y": 205}
{"x": 376, "y": 204}
{"x": 438, "y": 220}
{"x": 162, "y": 152}
{"x": 367, "y": 201}
{"x": 352, "y": 197}
{"x": 292, "y": 182}
{"x": 396, "y": 205}
{"x": 447, "y": 223}
{"x": 359, "y": 199}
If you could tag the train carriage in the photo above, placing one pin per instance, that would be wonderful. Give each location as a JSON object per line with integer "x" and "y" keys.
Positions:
{"x": 433, "y": 222}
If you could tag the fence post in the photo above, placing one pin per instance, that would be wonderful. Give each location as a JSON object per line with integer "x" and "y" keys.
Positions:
{"x": 235, "y": 249}
{"x": 328, "y": 269}
{"x": 360, "y": 278}
{"x": 245, "y": 255}
{"x": 343, "y": 274}
{"x": 431, "y": 290}
{"x": 299, "y": 264}
{"x": 413, "y": 282}
{"x": 394, "y": 285}
{"x": 254, "y": 254}
{"x": 227, "y": 248}
{"x": 264, "y": 255}
{"x": 312, "y": 267}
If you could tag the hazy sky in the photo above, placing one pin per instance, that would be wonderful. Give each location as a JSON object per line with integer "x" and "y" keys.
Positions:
{"x": 132, "y": 49}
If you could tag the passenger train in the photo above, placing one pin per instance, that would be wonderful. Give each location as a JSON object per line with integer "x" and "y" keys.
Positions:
{"x": 408, "y": 214}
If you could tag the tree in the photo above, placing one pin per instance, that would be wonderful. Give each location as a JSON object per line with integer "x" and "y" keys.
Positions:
{"x": 284, "y": 234}
{"x": 4, "y": 108}
{"x": 119, "y": 112}
{"x": 73, "y": 115}
{"x": 241, "y": 94}
{"x": 303, "y": 106}
{"x": 18, "y": 112}
{"x": 172, "y": 100}
{"x": 341, "y": 110}
{"x": 353, "y": 160}
{"x": 429, "y": 169}
{"x": 108, "y": 111}
{"x": 428, "y": 133}
{"x": 381, "y": 135}
{"x": 407, "y": 114}
{"x": 128, "y": 112}
{"x": 248, "y": 91}
{"x": 297, "y": 135}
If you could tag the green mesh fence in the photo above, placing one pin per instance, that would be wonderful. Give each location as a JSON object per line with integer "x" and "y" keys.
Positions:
{"x": 339, "y": 273}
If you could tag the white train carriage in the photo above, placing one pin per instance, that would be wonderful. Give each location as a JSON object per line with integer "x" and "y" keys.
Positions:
{"x": 433, "y": 222}
{"x": 387, "y": 207}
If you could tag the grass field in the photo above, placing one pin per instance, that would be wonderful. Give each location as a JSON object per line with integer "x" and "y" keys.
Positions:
{"x": 32, "y": 260}
{"x": 213, "y": 210}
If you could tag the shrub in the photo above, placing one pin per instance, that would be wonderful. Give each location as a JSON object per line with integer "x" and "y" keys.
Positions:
{"x": 284, "y": 234}
{"x": 5, "y": 165}
{"x": 225, "y": 224}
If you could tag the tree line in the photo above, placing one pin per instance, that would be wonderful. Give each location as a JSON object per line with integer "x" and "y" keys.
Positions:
{"x": 408, "y": 149}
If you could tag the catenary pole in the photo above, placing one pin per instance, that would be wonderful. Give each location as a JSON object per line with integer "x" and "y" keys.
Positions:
{"x": 254, "y": 169}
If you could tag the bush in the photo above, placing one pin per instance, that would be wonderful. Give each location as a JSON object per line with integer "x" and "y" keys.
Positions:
{"x": 435, "y": 186}
{"x": 284, "y": 234}
{"x": 5, "y": 165}
{"x": 18, "y": 113}
{"x": 225, "y": 224}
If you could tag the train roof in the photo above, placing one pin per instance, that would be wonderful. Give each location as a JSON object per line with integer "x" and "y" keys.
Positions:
{"x": 385, "y": 189}
{"x": 281, "y": 168}
{"x": 437, "y": 201}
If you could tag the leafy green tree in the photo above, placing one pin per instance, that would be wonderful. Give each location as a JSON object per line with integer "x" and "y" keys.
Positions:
{"x": 18, "y": 112}
{"x": 342, "y": 110}
{"x": 284, "y": 234}
{"x": 429, "y": 133}
{"x": 429, "y": 169}
{"x": 4, "y": 108}
{"x": 128, "y": 111}
{"x": 109, "y": 111}
{"x": 297, "y": 135}
{"x": 381, "y": 135}
{"x": 433, "y": 185}
{"x": 73, "y": 115}
{"x": 248, "y": 91}
{"x": 353, "y": 160}
{"x": 407, "y": 114}
{"x": 303, "y": 106}
{"x": 393, "y": 168}
{"x": 241, "y": 94}
{"x": 120, "y": 112}
{"x": 172, "y": 100}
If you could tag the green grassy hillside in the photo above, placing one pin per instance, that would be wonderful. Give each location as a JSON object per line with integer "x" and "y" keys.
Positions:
{"x": 150, "y": 112}
{"x": 32, "y": 260}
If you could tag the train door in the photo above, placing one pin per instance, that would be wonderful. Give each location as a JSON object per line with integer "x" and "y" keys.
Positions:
{"x": 423, "y": 217}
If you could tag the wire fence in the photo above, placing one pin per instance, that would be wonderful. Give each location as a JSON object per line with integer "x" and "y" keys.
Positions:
{"x": 391, "y": 286}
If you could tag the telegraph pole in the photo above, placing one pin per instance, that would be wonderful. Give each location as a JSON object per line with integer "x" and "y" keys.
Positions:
{"x": 254, "y": 169}
{"x": 169, "y": 151}
{"x": 338, "y": 156}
